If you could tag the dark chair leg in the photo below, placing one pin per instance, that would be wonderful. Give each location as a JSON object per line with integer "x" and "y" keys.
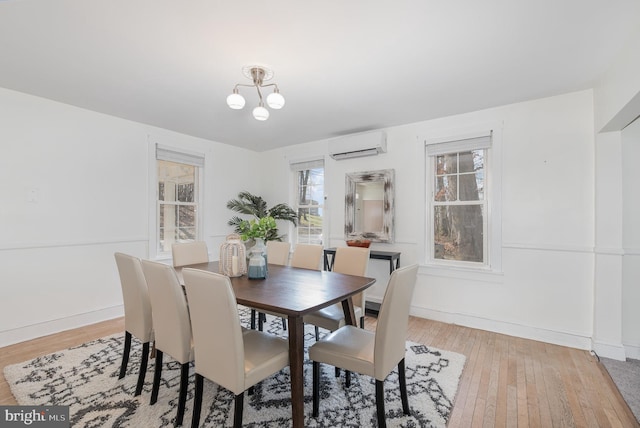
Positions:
{"x": 261, "y": 319}
{"x": 403, "y": 387}
{"x": 347, "y": 378}
{"x": 380, "y": 403}
{"x": 156, "y": 377}
{"x": 337, "y": 371}
{"x": 197, "y": 401}
{"x": 143, "y": 368}
{"x": 253, "y": 319}
{"x": 239, "y": 404}
{"x": 317, "y": 333}
{"x": 125, "y": 354}
{"x": 182, "y": 398}
{"x": 316, "y": 388}
{"x": 284, "y": 324}
{"x": 362, "y": 322}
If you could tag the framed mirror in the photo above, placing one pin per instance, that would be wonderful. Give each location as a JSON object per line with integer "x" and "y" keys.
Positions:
{"x": 369, "y": 205}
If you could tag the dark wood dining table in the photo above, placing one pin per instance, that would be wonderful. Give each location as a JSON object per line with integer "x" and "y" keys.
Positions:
{"x": 295, "y": 292}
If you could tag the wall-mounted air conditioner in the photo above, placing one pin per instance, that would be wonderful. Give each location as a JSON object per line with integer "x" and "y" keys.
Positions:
{"x": 358, "y": 145}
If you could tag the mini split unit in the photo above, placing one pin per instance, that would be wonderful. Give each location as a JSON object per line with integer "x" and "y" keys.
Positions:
{"x": 358, "y": 145}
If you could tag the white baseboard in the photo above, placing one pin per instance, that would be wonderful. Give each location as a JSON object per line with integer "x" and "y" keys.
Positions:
{"x": 609, "y": 350}
{"x": 17, "y": 335}
{"x": 533, "y": 333}
{"x": 632, "y": 351}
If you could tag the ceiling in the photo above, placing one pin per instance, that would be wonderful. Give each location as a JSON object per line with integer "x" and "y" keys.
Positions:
{"x": 342, "y": 66}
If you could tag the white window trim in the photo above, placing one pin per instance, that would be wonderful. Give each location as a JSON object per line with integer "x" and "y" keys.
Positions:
{"x": 493, "y": 183}
{"x": 184, "y": 156}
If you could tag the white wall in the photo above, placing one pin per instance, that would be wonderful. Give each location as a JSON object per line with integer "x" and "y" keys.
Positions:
{"x": 545, "y": 289}
{"x": 76, "y": 188}
{"x": 631, "y": 239}
{"x": 616, "y": 332}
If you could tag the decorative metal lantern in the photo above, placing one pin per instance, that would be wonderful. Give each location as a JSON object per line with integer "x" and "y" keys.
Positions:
{"x": 233, "y": 259}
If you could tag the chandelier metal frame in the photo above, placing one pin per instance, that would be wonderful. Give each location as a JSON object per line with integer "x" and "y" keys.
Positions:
{"x": 258, "y": 75}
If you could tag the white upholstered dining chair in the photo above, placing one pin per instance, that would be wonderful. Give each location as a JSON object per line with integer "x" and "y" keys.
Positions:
{"x": 376, "y": 353}
{"x": 307, "y": 256}
{"x": 189, "y": 253}
{"x": 137, "y": 313}
{"x": 278, "y": 252}
{"x": 350, "y": 261}
{"x": 172, "y": 326}
{"x": 232, "y": 358}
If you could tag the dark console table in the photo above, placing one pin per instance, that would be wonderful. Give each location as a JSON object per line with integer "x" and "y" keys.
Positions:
{"x": 392, "y": 256}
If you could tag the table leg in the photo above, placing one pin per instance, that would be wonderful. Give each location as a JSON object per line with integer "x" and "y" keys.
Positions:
{"x": 349, "y": 313}
{"x": 296, "y": 368}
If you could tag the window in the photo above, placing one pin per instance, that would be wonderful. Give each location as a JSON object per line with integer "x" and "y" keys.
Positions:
{"x": 309, "y": 200}
{"x": 458, "y": 201}
{"x": 177, "y": 206}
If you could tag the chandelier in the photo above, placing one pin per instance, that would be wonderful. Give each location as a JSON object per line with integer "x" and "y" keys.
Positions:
{"x": 259, "y": 75}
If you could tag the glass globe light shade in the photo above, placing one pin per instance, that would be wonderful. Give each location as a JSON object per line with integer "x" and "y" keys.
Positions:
{"x": 235, "y": 101}
{"x": 275, "y": 100}
{"x": 260, "y": 113}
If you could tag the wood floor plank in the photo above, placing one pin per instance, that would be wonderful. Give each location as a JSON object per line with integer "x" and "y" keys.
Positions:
{"x": 529, "y": 395}
{"x": 559, "y": 404}
{"x": 589, "y": 382}
{"x": 500, "y": 404}
{"x": 469, "y": 382}
{"x": 506, "y": 381}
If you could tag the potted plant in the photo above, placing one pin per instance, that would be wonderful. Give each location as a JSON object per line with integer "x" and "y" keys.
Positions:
{"x": 255, "y": 206}
{"x": 258, "y": 229}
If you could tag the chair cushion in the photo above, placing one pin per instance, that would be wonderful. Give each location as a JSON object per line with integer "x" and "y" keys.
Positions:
{"x": 331, "y": 317}
{"x": 349, "y": 348}
{"x": 264, "y": 354}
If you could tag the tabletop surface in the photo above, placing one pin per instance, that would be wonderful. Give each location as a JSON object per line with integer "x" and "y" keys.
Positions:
{"x": 292, "y": 291}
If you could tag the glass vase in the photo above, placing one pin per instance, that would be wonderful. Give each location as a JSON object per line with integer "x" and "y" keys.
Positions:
{"x": 257, "y": 266}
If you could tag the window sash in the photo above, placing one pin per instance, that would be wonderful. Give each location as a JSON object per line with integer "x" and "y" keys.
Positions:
{"x": 181, "y": 232}
{"x": 307, "y": 232}
{"x": 438, "y": 147}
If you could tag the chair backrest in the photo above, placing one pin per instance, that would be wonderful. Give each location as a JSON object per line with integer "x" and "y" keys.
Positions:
{"x": 307, "y": 256}
{"x": 135, "y": 295}
{"x": 217, "y": 335}
{"x": 393, "y": 319}
{"x": 189, "y": 253}
{"x": 171, "y": 324}
{"x": 278, "y": 252}
{"x": 352, "y": 261}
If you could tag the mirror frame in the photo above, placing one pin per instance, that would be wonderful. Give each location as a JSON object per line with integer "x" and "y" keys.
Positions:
{"x": 387, "y": 177}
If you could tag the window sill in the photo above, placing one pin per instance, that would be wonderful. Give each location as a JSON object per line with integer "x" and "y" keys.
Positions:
{"x": 470, "y": 274}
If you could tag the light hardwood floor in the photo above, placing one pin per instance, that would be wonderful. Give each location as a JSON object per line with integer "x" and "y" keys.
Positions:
{"x": 506, "y": 382}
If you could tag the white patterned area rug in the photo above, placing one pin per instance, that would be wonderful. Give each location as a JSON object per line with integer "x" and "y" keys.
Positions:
{"x": 86, "y": 378}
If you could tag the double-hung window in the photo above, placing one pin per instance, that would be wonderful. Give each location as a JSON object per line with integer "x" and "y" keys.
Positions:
{"x": 309, "y": 200}
{"x": 458, "y": 201}
{"x": 178, "y": 197}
